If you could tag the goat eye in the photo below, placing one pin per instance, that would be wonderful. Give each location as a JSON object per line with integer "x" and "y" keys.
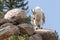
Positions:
{"x": 33, "y": 18}
{"x": 13, "y": 17}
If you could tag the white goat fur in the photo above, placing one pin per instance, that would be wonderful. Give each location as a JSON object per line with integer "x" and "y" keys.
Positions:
{"x": 37, "y": 17}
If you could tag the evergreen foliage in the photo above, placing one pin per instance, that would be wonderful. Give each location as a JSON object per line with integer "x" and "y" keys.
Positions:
{"x": 6, "y": 5}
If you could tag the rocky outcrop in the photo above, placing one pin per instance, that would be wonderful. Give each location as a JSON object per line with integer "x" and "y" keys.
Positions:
{"x": 15, "y": 15}
{"x": 26, "y": 29}
{"x": 17, "y": 27}
{"x": 35, "y": 37}
{"x": 46, "y": 34}
{"x": 6, "y": 30}
{"x": 40, "y": 34}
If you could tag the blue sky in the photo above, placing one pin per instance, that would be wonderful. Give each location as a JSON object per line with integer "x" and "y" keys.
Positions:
{"x": 51, "y": 9}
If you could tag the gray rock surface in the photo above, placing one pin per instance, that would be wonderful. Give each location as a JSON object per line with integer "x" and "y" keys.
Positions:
{"x": 15, "y": 15}
{"x": 35, "y": 37}
{"x": 46, "y": 34}
{"x": 26, "y": 28}
{"x": 7, "y": 30}
{"x": 1, "y": 15}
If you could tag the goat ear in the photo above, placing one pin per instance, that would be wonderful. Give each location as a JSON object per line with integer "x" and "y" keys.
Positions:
{"x": 34, "y": 10}
{"x": 31, "y": 10}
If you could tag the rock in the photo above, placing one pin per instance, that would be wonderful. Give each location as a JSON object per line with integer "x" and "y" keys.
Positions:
{"x": 35, "y": 37}
{"x": 2, "y": 21}
{"x": 8, "y": 24}
{"x": 46, "y": 34}
{"x": 15, "y": 15}
{"x": 26, "y": 29}
{"x": 42, "y": 31}
{"x": 1, "y": 15}
{"x": 1, "y": 18}
{"x": 7, "y": 30}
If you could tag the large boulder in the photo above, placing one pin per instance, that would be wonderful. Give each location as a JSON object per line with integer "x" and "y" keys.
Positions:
{"x": 35, "y": 37}
{"x": 2, "y": 20}
{"x": 15, "y": 15}
{"x": 26, "y": 29}
{"x": 46, "y": 34}
{"x": 7, "y": 30}
{"x": 8, "y": 24}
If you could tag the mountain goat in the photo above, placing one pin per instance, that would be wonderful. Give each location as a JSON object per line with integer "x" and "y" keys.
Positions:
{"x": 37, "y": 18}
{"x": 15, "y": 15}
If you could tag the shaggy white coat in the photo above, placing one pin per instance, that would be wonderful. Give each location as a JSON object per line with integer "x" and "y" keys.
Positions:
{"x": 37, "y": 17}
